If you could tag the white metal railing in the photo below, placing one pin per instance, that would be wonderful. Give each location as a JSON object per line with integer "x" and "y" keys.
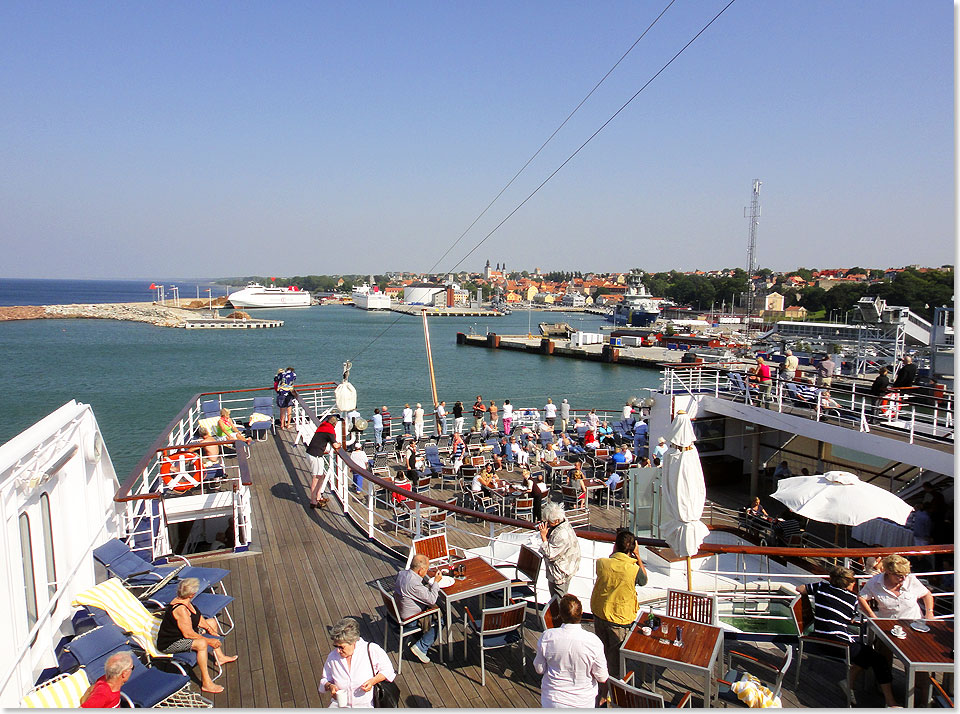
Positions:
{"x": 850, "y": 408}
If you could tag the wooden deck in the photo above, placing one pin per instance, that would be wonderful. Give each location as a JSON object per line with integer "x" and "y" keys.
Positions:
{"x": 307, "y": 569}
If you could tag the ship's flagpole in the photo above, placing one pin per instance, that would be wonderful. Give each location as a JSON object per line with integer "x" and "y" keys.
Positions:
{"x": 433, "y": 381}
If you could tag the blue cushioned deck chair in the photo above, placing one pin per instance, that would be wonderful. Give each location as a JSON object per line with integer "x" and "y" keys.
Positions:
{"x": 258, "y": 429}
{"x": 135, "y": 571}
{"x": 110, "y": 601}
{"x": 210, "y": 408}
{"x": 434, "y": 465}
{"x": 147, "y": 686}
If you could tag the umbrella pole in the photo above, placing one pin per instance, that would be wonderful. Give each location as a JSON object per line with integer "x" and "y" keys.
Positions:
{"x": 689, "y": 575}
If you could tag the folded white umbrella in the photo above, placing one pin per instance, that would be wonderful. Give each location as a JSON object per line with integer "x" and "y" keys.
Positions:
{"x": 840, "y": 497}
{"x": 684, "y": 492}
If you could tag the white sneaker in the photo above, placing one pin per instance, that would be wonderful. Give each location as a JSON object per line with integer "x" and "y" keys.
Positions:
{"x": 419, "y": 654}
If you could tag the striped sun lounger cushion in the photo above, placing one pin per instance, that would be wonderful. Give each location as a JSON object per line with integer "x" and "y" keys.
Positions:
{"x": 62, "y": 692}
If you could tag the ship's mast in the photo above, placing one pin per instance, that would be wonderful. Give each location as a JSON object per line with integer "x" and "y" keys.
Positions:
{"x": 754, "y": 218}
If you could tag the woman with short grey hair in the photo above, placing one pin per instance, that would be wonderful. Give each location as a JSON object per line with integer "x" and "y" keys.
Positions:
{"x": 354, "y": 667}
{"x": 183, "y": 628}
{"x": 560, "y": 548}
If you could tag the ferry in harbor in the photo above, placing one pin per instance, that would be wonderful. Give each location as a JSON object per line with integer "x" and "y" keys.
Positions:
{"x": 369, "y": 297}
{"x": 76, "y": 535}
{"x": 256, "y": 295}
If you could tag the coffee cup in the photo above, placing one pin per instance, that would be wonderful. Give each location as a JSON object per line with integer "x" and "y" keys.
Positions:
{"x": 897, "y": 631}
{"x": 341, "y": 696}
{"x": 646, "y": 630}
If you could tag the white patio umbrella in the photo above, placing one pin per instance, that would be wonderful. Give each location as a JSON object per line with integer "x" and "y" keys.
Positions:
{"x": 684, "y": 492}
{"x": 840, "y": 497}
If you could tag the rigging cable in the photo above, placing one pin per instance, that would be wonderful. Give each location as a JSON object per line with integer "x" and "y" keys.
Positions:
{"x": 524, "y": 167}
{"x": 550, "y": 138}
{"x": 591, "y": 137}
{"x": 565, "y": 162}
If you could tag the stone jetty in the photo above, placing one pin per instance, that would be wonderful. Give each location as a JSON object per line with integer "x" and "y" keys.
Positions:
{"x": 150, "y": 313}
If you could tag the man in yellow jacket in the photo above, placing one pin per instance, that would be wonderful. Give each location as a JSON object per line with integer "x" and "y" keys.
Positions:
{"x": 614, "y": 599}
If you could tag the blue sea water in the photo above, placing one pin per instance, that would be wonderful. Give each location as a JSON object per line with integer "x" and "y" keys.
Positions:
{"x": 29, "y": 291}
{"x": 137, "y": 377}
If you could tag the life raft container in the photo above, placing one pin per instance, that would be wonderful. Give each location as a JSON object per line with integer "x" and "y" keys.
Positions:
{"x": 172, "y": 467}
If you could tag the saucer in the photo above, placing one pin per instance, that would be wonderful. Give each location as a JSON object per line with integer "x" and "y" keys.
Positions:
{"x": 446, "y": 581}
{"x": 920, "y": 626}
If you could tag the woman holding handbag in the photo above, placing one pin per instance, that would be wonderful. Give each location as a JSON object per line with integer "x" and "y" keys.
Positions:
{"x": 355, "y": 668}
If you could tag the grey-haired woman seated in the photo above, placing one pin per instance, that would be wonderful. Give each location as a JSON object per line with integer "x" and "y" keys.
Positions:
{"x": 183, "y": 628}
{"x": 354, "y": 667}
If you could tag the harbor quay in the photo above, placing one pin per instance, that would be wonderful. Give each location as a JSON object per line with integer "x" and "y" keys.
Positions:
{"x": 639, "y": 356}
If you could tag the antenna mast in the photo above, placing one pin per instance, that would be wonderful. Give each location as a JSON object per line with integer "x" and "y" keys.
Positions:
{"x": 754, "y": 217}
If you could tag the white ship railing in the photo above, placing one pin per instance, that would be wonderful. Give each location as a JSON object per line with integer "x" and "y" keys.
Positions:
{"x": 898, "y": 410}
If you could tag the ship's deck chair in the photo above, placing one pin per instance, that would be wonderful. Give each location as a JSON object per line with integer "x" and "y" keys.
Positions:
{"x": 434, "y": 547}
{"x": 61, "y": 692}
{"x": 432, "y": 457}
{"x": 129, "y": 614}
{"x": 262, "y": 406}
{"x": 118, "y": 559}
{"x": 739, "y": 387}
{"x": 624, "y": 695}
{"x": 693, "y": 606}
{"x": 147, "y": 687}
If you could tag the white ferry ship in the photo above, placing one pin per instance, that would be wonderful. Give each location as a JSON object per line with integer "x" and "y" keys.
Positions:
{"x": 256, "y": 295}
{"x": 368, "y": 297}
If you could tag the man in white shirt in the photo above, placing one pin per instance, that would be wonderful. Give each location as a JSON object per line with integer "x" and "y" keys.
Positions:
{"x": 571, "y": 661}
{"x": 407, "y": 419}
{"x": 550, "y": 413}
{"x": 441, "y": 418}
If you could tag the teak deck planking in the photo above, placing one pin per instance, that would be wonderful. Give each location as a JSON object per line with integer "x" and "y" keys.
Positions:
{"x": 308, "y": 568}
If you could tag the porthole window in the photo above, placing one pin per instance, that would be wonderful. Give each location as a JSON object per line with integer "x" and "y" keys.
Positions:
{"x": 29, "y": 579}
{"x": 48, "y": 551}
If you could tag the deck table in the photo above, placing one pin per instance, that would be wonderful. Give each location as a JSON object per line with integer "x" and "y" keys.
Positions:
{"x": 481, "y": 578}
{"x": 919, "y": 651}
{"x": 702, "y": 645}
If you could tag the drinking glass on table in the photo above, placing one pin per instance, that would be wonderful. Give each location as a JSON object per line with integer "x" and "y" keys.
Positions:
{"x": 664, "y": 628}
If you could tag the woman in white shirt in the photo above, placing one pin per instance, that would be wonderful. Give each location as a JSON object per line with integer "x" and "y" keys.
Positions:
{"x": 507, "y": 416}
{"x": 354, "y": 667}
{"x": 571, "y": 661}
{"x": 896, "y": 591}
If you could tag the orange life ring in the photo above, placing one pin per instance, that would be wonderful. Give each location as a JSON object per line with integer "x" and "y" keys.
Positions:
{"x": 170, "y": 467}
{"x": 890, "y": 405}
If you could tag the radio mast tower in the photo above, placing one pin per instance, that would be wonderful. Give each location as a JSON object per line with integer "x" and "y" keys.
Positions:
{"x": 754, "y": 217}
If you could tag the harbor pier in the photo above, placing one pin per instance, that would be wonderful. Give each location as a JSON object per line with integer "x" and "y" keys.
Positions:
{"x": 651, "y": 357}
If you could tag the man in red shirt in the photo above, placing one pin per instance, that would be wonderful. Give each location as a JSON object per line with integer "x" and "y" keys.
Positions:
{"x": 105, "y": 692}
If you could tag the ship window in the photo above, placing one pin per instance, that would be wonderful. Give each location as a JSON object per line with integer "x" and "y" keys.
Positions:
{"x": 48, "y": 544}
{"x": 29, "y": 580}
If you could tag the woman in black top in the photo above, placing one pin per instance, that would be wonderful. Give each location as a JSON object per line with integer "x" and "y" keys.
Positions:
{"x": 458, "y": 417}
{"x": 183, "y": 629}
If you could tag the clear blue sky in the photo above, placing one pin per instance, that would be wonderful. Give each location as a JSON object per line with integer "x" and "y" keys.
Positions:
{"x": 282, "y": 138}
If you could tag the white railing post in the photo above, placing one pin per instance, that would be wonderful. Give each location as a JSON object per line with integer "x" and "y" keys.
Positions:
{"x": 370, "y": 508}
{"x": 913, "y": 421}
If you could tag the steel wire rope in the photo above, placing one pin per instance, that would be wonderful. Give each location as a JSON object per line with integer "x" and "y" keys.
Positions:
{"x": 528, "y": 162}
{"x": 566, "y": 161}
{"x": 550, "y": 138}
{"x": 591, "y": 137}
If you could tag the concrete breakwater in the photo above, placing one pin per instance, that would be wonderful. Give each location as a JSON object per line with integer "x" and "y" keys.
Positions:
{"x": 150, "y": 313}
